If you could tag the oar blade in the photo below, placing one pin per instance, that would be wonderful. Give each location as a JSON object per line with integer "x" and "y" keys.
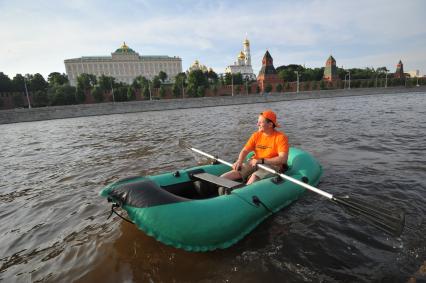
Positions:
{"x": 184, "y": 144}
{"x": 391, "y": 221}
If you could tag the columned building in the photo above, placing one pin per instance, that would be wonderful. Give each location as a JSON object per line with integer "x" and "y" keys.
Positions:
{"x": 124, "y": 65}
{"x": 267, "y": 74}
{"x": 243, "y": 63}
{"x": 399, "y": 73}
{"x": 330, "y": 70}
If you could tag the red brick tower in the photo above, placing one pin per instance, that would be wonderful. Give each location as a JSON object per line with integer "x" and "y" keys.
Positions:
{"x": 330, "y": 70}
{"x": 268, "y": 75}
{"x": 399, "y": 73}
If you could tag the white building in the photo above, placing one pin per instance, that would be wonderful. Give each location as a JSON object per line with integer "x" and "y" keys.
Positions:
{"x": 243, "y": 63}
{"x": 414, "y": 73}
{"x": 124, "y": 65}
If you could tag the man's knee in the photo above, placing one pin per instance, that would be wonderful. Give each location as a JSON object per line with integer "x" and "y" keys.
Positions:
{"x": 253, "y": 178}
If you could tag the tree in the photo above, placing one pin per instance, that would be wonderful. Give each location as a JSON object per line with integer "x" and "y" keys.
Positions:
{"x": 18, "y": 100}
{"x": 106, "y": 83}
{"x": 287, "y": 75}
{"x": 156, "y": 83}
{"x": 196, "y": 78}
{"x": 162, "y": 76}
{"x": 18, "y": 83}
{"x": 268, "y": 88}
{"x": 98, "y": 94}
{"x": 201, "y": 91}
{"x": 212, "y": 77}
{"x": 40, "y": 98}
{"x": 227, "y": 80}
{"x": 86, "y": 81}
{"x": 179, "y": 84}
{"x": 279, "y": 88}
{"x": 131, "y": 93}
{"x": 56, "y": 78}
{"x": 176, "y": 90}
{"x": 162, "y": 92}
{"x": 5, "y": 83}
{"x": 146, "y": 92}
{"x": 62, "y": 95}
{"x": 37, "y": 82}
{"x": 120, "y": 93}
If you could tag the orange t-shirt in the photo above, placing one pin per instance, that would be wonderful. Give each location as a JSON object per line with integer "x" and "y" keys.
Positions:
{"x": 265, "y": 146}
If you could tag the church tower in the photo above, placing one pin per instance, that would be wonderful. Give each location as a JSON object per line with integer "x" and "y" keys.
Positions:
{"x": 246, "y": 50}
{"x": 399, "y": 73}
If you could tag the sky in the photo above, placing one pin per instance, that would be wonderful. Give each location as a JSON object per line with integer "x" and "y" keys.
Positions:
{"x": 37, "y": 36}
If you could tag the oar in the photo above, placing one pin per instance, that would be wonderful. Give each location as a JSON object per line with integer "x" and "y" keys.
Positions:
{"x": 390, "y": 221}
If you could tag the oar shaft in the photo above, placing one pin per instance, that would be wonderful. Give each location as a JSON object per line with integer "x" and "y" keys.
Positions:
{"x": 307, "y": 186}
{"x": 211, "y": 156}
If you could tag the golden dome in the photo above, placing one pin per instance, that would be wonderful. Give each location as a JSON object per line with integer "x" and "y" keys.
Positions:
{"x": 246, "y": 42}
{"x": 241, "y": 55}
{"x": 124, "y": 46}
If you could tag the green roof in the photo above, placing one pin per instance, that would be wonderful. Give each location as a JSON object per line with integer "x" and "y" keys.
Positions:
{"x": 125, "y": 49}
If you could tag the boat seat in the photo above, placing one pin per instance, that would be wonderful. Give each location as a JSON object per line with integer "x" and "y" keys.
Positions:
{"x": 219, "y": 181}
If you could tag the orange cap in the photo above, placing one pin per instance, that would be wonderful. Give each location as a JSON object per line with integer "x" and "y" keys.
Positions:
{"x": 270, "y": 115}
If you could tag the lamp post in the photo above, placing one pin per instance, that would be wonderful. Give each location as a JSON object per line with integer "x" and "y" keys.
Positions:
{"x": 26, "y": 92}
{"x": 232, "y": 84}
{"x": 112, "y": 91}
{"x": 386, "y": 81}
{"x": 297, "y": 85}
{"x": 349, "y": 76}
{"x": 183, "y": 90}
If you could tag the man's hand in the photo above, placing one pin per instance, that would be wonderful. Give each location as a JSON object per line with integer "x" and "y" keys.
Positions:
{"x": 253, "y": 162}
{"x": 237, "y": 165}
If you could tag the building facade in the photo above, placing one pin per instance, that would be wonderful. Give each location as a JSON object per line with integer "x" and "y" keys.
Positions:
{"x": 330, "y": 70}
{"x": 124, "y": 65}
{"x": 268, "y": 74}
{"x": 243, "y": 63}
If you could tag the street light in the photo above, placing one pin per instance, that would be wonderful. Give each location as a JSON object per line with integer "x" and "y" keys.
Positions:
{"x": 297, "y": 86}
{"x": 349, "y": 75}
{"x": 232, "y": 84}
{"x": 183, "y": 90}
{"x": 26, "y": 92}
{"x": 112, "y": 91}
{"x": 386, "y": 82}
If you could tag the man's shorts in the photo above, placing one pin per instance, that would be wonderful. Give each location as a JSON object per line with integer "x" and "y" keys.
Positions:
{"x": 246, "y": 171}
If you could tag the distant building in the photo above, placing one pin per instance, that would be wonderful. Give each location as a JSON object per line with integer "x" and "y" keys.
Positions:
{"x": 414, "y": 74}
{"x": 399, "y": 73}
{"x": 124, "y": 65}
{"x": 267, "y": 74}
{"x": 243, "y": 63}
{"x": 330, "y": 70}
{"x": 197, "y": 66}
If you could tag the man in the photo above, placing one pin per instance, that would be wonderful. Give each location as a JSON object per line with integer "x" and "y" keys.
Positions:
{"x": 270, "y": 148}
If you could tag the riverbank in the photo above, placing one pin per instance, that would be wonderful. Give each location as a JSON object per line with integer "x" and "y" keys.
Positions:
{"x": 82, "y": 110}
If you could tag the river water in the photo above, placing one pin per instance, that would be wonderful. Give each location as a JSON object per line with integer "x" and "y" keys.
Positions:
{"x": 54, "y": 225}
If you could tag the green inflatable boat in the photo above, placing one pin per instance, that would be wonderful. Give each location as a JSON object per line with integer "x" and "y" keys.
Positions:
{"x": 183, "y": 208}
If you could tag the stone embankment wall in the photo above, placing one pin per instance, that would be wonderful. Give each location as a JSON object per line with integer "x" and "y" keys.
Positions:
{"x": 73, "y": 111}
